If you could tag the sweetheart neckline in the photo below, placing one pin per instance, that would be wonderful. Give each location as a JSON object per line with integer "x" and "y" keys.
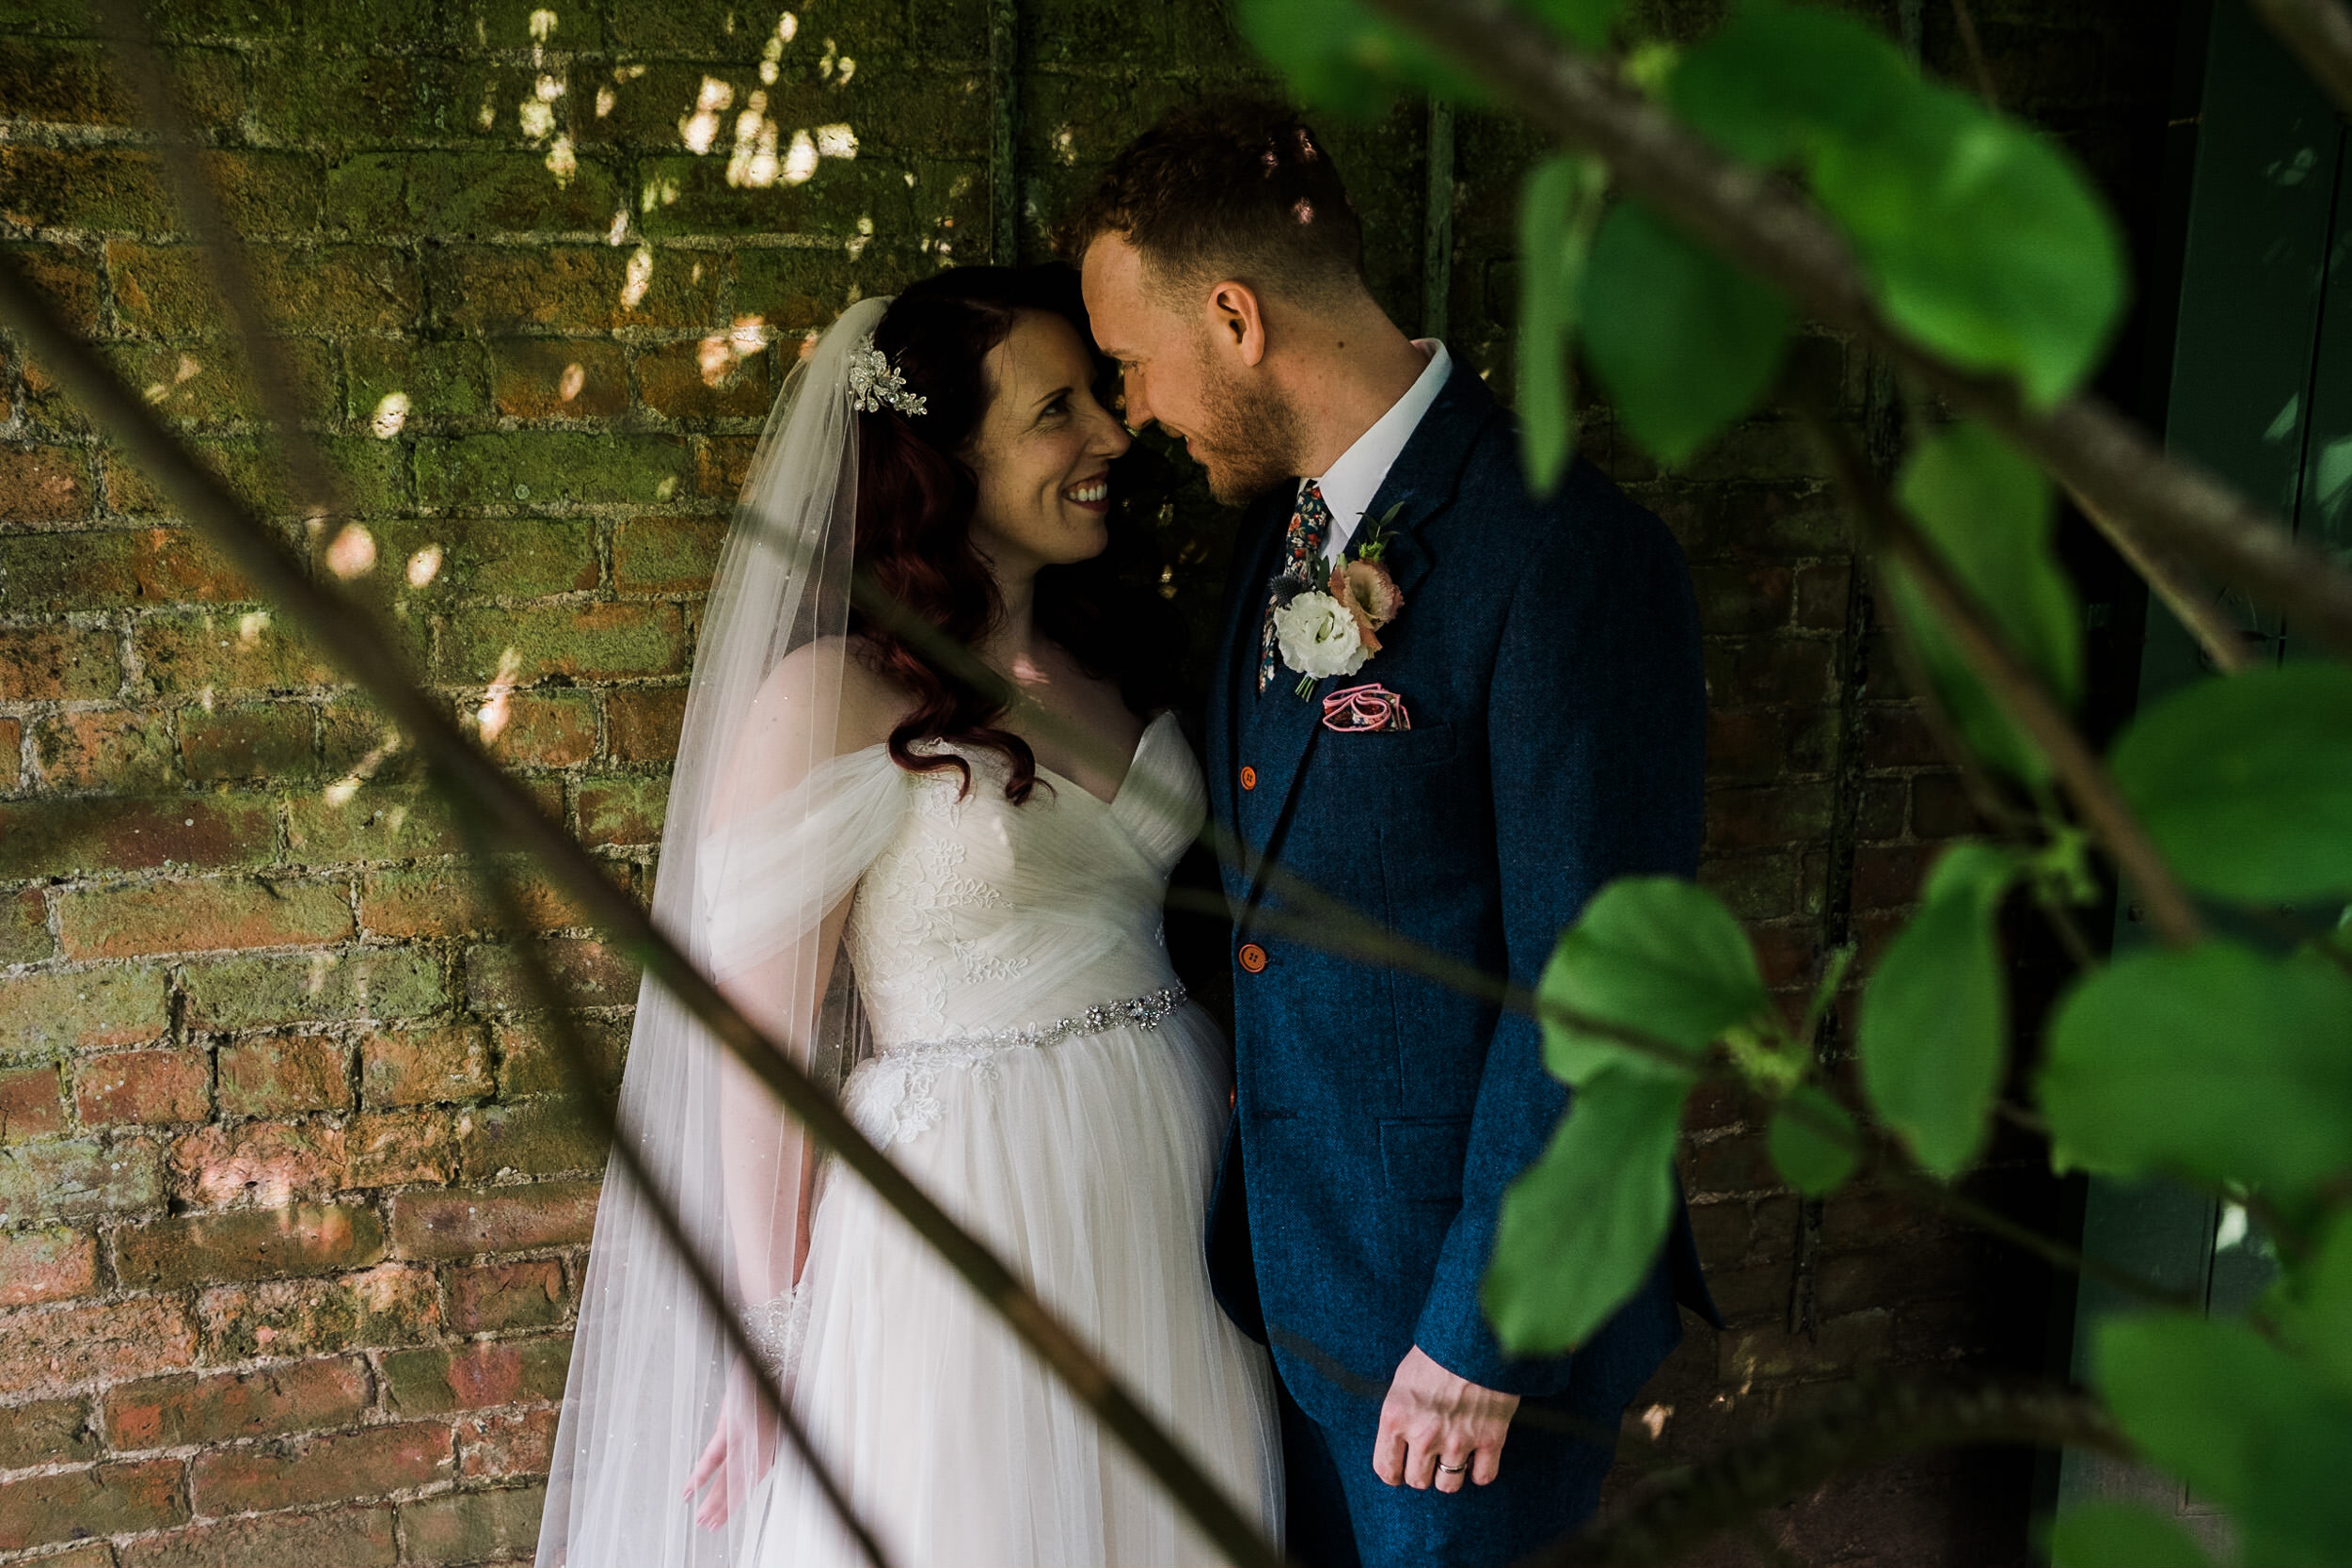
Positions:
{"x": 1135, "y": 757}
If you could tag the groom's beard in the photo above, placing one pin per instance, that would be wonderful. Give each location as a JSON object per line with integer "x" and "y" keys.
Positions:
{"x": 1248, "y": 439}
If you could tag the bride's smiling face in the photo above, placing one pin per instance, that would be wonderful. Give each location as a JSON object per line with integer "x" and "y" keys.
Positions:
{"x": 1043, "y": 451}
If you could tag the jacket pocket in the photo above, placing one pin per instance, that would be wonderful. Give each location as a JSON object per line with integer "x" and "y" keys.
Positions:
{"x": 1421, "y": 1157}
{"x": 1424, "y": 743}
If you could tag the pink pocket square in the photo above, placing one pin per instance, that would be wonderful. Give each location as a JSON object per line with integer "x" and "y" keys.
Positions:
{"x": 1363, "y": 709}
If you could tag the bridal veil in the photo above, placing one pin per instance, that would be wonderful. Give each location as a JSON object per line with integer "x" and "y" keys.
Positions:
{"x": 749, "y": 869}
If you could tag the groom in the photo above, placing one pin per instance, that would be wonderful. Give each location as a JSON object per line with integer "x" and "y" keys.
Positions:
{"x": 1527, "y": 728}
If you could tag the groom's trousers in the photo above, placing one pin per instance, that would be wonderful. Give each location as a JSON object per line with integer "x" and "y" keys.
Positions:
{"x": 1339, "y": 1515}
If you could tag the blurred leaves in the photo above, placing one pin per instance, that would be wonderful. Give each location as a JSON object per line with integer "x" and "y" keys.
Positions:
{"x": 2115, "y": 1535}
{"x": 1559, "y": 208}
{"x": 1653, "y": 954}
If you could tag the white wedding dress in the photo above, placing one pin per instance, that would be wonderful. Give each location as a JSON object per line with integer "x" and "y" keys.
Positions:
{"x": 1034, "y": 1067}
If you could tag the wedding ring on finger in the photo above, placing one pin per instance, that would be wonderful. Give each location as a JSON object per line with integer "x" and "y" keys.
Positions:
{"x": 1445, "y": 1469}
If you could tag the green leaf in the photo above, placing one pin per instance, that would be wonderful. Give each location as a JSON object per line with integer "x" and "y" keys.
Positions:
{"x": 1580, "y": 1230}
{"x": 1683, "y": 341}
{"x": 1584, "y": 21}
{"x": 1935, "y": 1016}
{"x": 1813, "y": 1157}
{"x": 1655, "y": 953}
{"x": 2219, "y": 1063}
{"x": 1338, "y": 55}
{"x": 2242, "y": 1422}
{"x": 1988, "y": 513}
{"x": 2115, "y": 1535}
{"x": 2312, "y": 1303}
{"x": 2246, "y": 783}
{"x": 1559, "y": 209}
{"x": 1982, "y": 241}
{"x": 1986, "y": 243}
{"x": 1777, "y": 81}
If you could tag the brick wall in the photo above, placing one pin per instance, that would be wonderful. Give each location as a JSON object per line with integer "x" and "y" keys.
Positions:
{"x": 292, "y": 1211}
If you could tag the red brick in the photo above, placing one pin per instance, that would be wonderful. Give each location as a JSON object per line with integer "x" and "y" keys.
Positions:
{"x": 1753, "y": 887}
{"x": 1821, "y": 595}
{"x": 207, "y": 916}
{"x": 30, "y": 1104}
{"x": 46, "y": 1265}
{"x": 284, "y": 1074}
{"x": 473, "y": 1526}
{"x": 506, "y": 1443}
{"x": 69, "y": 1178}
{"x": 440, "y": 901}
{"x": 392, "y": 1304}
{"x": 558, "y": 378}
{"x": 422, "y": 1066}
{"x": 666, "y": 555}
{"x": 466, "y": 1221}
{"x": 257, "y": 1243}
{"x": 1766, "y": 816}
{"x": 1734, "y": 1163}
{"x": 529, "y": 1064}
{"x": 538, "y": 1137}
{"x": 587, "y": 972}
{"x": 46, "y": 1348}
{"x": 11, "y": 754}
{"x": 627, "y": 810}
{"x": 1881, "y": 807}
{"x": 109, "y": 747}
{"x": 24, "y": 936}
{"x": 1741, "y": 598}
{"x": 1771, "y": 1354}
{"x": 49, "y": 838}
{"x": 595, "y": 642}
{"x": 43, "y": 484}
{"x": 1773, "y": 669}
{"x": 106, "y": 1500}
{"x": 486, "y": 1297}
{"x": 705, "y": 378}
{"x": 226, "y": 651}
{"x": 143, "y": 1088}
{"x": 1788, "y": 955}
{"x": 644, "y": 723}
{"x": 46, "y": 1431}
{"x": 1886, "y": 877}
{"x": 264, "y": 1163}
{"x": 108, "y": 568}
{"x": 51, "y": 664}
{"x": 438, "y": 1379}
{"x": 343, "y": 1536}
{"x": 251, "y": 740}
{"x": 300, "y": 1396}
{"x": 544, "y": 729}
{"x": 397, "y": 1147}
{"x": 1898, "y": 737}
{"x": 723, "y": 463}
{"x": 322, "y": 1470}
{"x": 1940, "y": 807}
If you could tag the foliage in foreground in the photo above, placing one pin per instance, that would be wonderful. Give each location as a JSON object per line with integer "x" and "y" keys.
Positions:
{"x": 2214, "y": 1062}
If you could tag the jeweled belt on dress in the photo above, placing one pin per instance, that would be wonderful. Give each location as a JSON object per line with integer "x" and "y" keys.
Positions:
{"x": 1148, "y": 1011}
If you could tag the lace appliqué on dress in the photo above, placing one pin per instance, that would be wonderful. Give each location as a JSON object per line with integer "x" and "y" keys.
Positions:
{"x": 777, "y": 1328}
{"x": 893, "y": 1098}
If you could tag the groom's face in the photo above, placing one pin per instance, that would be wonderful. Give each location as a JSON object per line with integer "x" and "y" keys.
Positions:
{"x": 1178, "y": 371}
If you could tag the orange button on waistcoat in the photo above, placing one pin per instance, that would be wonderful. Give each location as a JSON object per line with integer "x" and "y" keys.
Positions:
{"x": 1250, "y": 778}
{"x": 1252, "y": 957}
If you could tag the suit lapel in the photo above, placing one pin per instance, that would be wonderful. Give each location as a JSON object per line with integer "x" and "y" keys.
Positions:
{"x": 1276, "y": 733}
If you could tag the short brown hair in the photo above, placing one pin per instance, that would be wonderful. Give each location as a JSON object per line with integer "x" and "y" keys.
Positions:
{"x": 1235, "y": 188}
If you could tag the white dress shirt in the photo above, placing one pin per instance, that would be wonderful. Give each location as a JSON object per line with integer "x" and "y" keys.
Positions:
{"x": 1349, "y": 484}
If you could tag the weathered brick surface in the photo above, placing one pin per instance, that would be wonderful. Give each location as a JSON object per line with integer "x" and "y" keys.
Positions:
{"x": 293, "y": 1206}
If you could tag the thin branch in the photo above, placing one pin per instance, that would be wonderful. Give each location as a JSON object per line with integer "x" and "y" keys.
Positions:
{"x": 1870, "y": 1419}
{"x": 1966, "y": 22}
{"x": 2179, "y": 591}
{"x": 2319, "y": 33}
{"x": 579, "y": 1068}
{"x": 2021, "y": 694}
{"x": 349, "y": 636}
{"x": 2136, "y": 490}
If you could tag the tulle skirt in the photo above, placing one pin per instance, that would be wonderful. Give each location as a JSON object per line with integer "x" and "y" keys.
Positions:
{"x": 1087, "y": 1165}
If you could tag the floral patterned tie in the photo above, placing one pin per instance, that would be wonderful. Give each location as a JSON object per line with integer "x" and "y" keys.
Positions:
{"x": 1302, "y": 559}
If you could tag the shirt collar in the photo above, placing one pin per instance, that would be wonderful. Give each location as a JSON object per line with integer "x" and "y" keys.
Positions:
{"x": 1349, "y": 484}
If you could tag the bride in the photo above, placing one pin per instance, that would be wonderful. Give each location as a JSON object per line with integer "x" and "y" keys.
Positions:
{"x": 953, "y": 910}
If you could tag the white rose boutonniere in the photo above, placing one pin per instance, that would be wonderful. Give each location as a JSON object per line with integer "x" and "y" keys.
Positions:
{"x": 1318, "y": 636}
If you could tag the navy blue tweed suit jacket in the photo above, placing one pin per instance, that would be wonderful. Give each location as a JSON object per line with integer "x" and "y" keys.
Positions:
{"x": 1548, "y": 653}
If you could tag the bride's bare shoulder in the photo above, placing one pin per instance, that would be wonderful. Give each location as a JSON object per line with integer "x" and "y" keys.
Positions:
{"x": 836, "y": 679}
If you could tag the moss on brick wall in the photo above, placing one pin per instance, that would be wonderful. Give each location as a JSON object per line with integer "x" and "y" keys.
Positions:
{"x": 292, "y": 1210}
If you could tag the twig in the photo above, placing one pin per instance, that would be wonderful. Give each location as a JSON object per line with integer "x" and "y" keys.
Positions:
{"x": 1758, "y": 222}
{"x": 1966, "y": 22}
{"x": 579, "y": 1065}
{"x": 349, "y": 635}
{"x": 1870, "y": 1419}
{"x": 2021, "y": 694}
{"x": 2319, "y": 32}
{"x": 2178, "y": 590}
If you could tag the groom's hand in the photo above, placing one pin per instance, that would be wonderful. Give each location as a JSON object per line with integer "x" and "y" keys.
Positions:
{"x": 1434, "y": 1426}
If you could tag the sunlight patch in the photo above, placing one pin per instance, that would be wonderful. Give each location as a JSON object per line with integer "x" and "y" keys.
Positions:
{"x": 353, "y": 552}
{"x": 390, "y": 417}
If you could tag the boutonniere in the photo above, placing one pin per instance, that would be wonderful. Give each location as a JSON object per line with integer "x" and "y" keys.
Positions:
{"x": 1335, "y": 630}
